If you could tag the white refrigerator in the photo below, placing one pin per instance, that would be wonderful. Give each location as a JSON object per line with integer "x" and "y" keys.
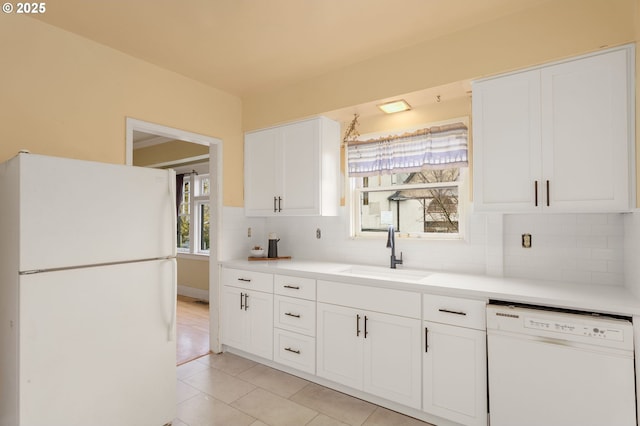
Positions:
{"x": 87, "y": 293}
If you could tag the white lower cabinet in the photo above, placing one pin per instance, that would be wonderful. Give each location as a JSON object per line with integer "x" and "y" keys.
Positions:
{"x": 370, "y": 351}
{"x": 454, "y": 370}
{"x": 454, "y": 362}
{"x": 247, "y": 320}
{"x": 294, "y": 321}
{"x": 425, "y": 352}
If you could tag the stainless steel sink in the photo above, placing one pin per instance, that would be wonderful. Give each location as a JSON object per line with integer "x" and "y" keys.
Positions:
{"x": 383, "y": 273}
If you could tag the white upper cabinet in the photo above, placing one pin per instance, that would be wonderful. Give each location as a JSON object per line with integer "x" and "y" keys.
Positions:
{"x": 556, "y": 138}
{"x": 293, "y": 169}
{"x": 506, "y": 142}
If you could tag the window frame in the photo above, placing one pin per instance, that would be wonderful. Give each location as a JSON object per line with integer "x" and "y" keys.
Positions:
{"x": 196, "y": 200}
{"x": 354, "y": 195}
{"x": 355, "y": 212}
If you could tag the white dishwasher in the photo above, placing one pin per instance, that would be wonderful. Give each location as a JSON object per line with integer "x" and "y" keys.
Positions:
{"x": 558, "y": 368}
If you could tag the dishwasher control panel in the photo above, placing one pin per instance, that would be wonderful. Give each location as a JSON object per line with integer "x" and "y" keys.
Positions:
{"x": 601, "y": 331}
{"x": 544, "y": 323}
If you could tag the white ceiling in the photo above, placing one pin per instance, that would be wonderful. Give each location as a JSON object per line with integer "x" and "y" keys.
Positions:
{"x": 247, "y": 46}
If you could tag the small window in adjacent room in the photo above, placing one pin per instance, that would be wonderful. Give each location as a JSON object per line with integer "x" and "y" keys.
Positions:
{"x": 414, "y": 181}
{"x": 184, "y": 217}
{"x": 193, "y": 214}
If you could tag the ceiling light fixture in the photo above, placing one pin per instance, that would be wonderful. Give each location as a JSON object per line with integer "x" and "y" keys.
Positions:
{"x": 395, "y": 106}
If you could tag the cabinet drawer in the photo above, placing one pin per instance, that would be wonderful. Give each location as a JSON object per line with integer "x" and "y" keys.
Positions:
{"x": 452, "y": 310}
{"x": 295, "y": 350}
{"x": 250, "y": 280}
{"x": 295, "y": 315}
{"x": 304, "y": 288}
{"x": 389, "y": 301}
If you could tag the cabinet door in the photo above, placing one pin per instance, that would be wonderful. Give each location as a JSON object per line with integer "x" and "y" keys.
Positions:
{"x": 261, "y": 163}
{"x": 455, "y": 373}
{"x": 585, "y": 133}
{"x": 392, "y": 358}
{"x": 234, "y": 319}
{"x": 506, "y": 142}
{"x": 259, "y": 307}
{"x": 339, "y": 344}
{"x": 300, "y": 171}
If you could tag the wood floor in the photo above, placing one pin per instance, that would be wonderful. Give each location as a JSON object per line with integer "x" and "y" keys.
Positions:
{"x": 192, "y": 321}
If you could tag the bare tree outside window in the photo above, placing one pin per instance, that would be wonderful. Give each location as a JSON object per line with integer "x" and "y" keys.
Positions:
{"x": 439, "y": 206}
{"x": 424, "y": 202}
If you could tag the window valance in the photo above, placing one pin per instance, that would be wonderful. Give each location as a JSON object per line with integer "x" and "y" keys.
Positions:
{"x": 435, "y": 147}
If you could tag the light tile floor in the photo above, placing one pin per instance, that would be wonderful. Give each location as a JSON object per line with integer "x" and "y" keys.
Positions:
{"x": 228, "y": 390}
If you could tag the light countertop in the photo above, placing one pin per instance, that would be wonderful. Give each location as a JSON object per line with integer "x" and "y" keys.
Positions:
{"x": 590, "y": 297}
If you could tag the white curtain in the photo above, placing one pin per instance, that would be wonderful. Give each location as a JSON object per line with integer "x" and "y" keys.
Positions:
{"x": 435, "y": 147}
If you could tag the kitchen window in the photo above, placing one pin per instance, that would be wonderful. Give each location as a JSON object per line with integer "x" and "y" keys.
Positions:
{"x": 412, "y": 180}
{"x": 193, "y": 215}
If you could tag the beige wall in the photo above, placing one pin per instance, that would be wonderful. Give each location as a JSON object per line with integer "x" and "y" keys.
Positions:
{"x": 554, "y": 30}
{"x": 447, "y": 109}
{"x": 193, "y": 273}
{"x": 63, "y": 95}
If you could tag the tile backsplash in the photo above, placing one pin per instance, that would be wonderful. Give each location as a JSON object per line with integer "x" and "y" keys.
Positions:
{"x": 632, "y": 252}
{"x": 580, "y": 248}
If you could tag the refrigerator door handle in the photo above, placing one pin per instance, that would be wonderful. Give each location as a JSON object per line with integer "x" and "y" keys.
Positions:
{"x": 171, "y": 331}
{"x": 172, "y": 202}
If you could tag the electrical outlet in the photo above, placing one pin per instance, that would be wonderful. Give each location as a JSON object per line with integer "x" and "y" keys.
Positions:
{"x": 526, "y": 240}
{"x": 249, "y": 232}
{"x": 318, "y": 233}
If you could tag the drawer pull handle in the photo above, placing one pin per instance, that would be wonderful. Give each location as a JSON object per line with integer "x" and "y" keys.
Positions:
{"x": 246, "y": 280}
{"x": 447, "y": 311}
{"x": 294, "y": 287}
{"x": 295, "y": 351}
{"x": 289, "y": 314}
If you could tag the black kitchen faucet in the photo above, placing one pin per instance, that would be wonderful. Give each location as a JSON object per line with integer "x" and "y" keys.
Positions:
{"x": 391, "y": 243}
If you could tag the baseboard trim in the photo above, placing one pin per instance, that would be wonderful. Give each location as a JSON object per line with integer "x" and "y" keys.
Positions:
{"x": 196, "y": 293}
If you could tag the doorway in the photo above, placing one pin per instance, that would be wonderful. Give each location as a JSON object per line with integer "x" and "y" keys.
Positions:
{"x": 197, "y": 160}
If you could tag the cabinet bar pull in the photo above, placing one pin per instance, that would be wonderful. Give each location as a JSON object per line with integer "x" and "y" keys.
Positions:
{"x": 241, "y": 301}
{"x": 246, "y": 301}
{"x": 295, "y": 351}
{"x": 357, "y": 325}
{"x": 279, "y": 204}
{"x": 275, "y": 200}
{"x": 452, "y": 312}
{"x": 246, "y": 280}
{"x": 547, "y": 193}
{"x": 289, "y": 314}
{"x": 536, "y": 192}
{"x": 365, "y": 327}
{"x": 294, "y": 287}
{"x": 426, "y": 340}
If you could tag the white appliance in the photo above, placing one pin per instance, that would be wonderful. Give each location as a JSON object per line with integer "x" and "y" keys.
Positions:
{"x": 87, "y": 293}
{"x": 559, "y": 369}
